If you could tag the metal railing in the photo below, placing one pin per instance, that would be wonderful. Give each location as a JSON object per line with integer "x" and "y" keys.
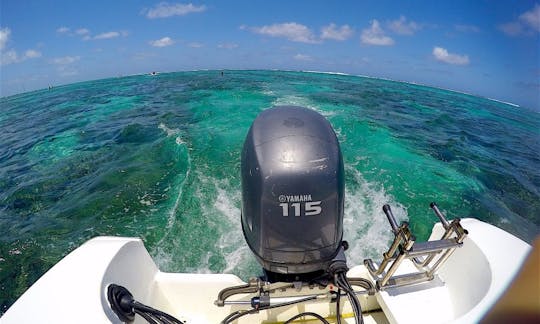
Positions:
{"x": 428, "y": 257}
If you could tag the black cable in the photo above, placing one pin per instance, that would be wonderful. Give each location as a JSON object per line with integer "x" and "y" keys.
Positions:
{"x": 354, "y": 301}
{"x": 163, "y": 320}
{"x": 338, "y": 307}
{"x": 338, "y": 270}
{"x": 364, "y": 283}
{"x": 125, "y": 307}
{"x": 235, "y": 315}
{"x": 355, "y": 307}
{"x": 149, "y": 310}
{"x": 319, "y": 317}
{"x": 240, "y": 313}
{"x": 342, "y": 282}
{"x": 146, "y": 316}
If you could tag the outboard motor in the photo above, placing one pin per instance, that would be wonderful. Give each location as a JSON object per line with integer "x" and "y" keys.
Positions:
{"x": 292, "y": 193}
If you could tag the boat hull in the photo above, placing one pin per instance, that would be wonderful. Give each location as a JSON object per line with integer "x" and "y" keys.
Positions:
{"x": 75, "y": 289}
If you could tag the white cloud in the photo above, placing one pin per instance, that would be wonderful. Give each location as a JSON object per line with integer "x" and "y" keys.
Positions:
{"x": 531, "y": 18}
{"x": 65, "y": 60}
{"x": 403, "y": 27}
{"x": 107, "y": 35}
{"x": 303, "y": 57}
{"x": 511, "y": 28}
{"x": 374, "y": 35}
{"x": 528, "y": 23}
{"x": 291, "y": 31}
{"x": 163, "y": 42}
{"x": 82, "y": 31}
{"x": 65, "y": 66}
{"x": 32, "y": 54}
{"x": 228, "y": 45}
{"x": 87, "y": 35}
{"x": 10, "y": 56}
{"x": 441, "y": 54}
{"x": 332, "y": 32}
{"x": 164, "y": 10}
{"x": 4, "y": 37}
{"x": 62, "y": 30}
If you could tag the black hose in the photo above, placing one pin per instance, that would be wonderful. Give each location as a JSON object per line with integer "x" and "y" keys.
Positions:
{"x": 364, "y": 283}
{"x": 240, "y": 313}
{"x": 125, "y": 307}
{"x": 150, "y": 319}
{"x": 343, "y": 283}
{"x": 317, "y": 316}
{"x": 338, "y": 306}
{"x": 162, "y": 316}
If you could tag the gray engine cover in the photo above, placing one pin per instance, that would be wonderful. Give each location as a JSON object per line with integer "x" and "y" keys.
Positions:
{"x": 292, "y": 190}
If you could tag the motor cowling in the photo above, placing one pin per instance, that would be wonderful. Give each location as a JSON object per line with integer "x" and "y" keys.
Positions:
{"x": 292, "y": 192}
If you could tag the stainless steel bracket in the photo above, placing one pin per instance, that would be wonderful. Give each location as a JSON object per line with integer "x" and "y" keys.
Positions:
{"x": 428, "y": 257}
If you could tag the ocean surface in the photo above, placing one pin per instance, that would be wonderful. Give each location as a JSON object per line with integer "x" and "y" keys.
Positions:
{"x": 158, "y": 157}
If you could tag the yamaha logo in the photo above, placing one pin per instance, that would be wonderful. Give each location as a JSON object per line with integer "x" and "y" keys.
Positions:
{"x": 299, "y": 205}
{"x": 294, "y": 198}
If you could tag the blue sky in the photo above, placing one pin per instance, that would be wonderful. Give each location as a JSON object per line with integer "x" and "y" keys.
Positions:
{"x": 487, "y": 48}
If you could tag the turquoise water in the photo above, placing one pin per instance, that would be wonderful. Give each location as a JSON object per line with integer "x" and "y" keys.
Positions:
{"x": 158, "y": 157}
